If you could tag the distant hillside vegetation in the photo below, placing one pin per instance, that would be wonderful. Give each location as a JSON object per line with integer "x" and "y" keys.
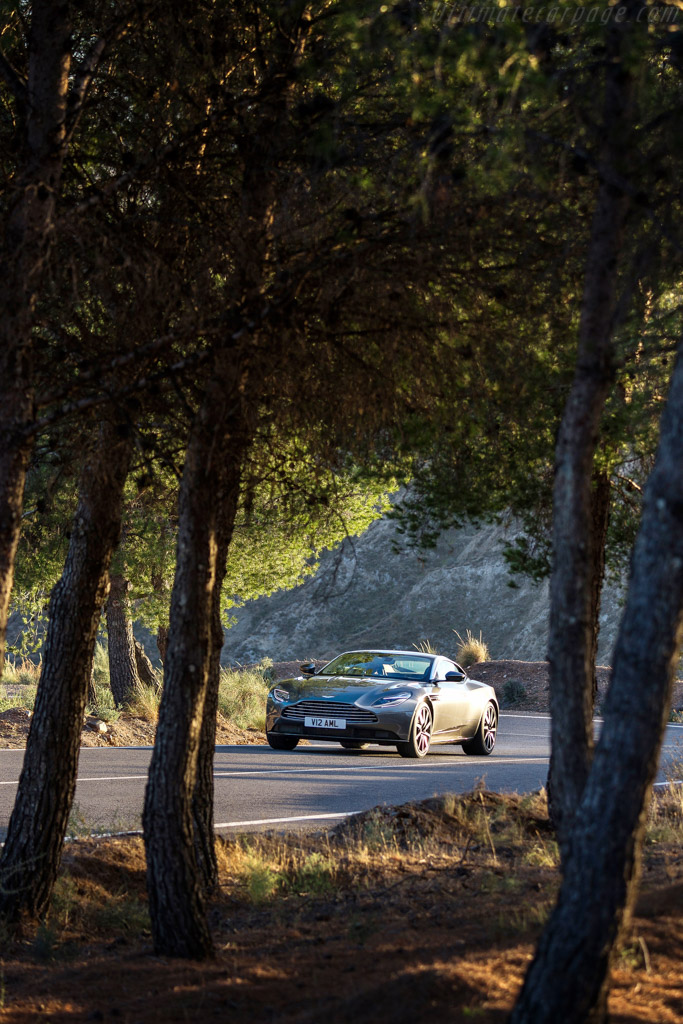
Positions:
{"x": 364, "y": 594}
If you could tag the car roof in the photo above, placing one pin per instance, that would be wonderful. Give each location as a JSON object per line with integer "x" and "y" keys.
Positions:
{"x": 380, "y": 650}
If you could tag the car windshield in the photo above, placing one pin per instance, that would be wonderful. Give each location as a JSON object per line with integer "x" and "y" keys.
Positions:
{"x": 373, "y": 663}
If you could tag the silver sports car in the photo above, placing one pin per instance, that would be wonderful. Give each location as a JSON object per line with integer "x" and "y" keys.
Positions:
{"x": 404, "y": 699}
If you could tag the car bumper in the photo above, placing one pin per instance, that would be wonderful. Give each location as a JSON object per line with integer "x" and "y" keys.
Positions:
{"x": 392, "y": 726}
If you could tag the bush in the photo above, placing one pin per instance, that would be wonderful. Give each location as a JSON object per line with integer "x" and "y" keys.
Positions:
{"x": 471, "y": 649}
{"x": 103, "y": 706}
{"x": 242, "y": 696}
{"x": 514, "y": 691}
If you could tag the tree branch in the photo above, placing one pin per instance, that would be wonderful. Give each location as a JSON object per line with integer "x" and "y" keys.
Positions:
{"x": 13, "y": 80}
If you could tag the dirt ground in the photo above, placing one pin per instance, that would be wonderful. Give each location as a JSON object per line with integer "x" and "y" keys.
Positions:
{"x": 127, "y": 731}
{"x": 431, "y": 915}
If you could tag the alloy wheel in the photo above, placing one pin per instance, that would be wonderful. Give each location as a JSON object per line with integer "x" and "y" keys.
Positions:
{"x": 489, "y": 728}
{"x": 423, "y": 730}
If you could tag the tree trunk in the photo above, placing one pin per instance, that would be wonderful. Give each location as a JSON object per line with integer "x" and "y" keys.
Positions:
{"x": 601, "y": 493}
{"x": 162, "y": 642}
{"x": 32, "y": 852}
{"x": 571, "y": 643}
{"x": 145, "y": 669}
{"x": 26, "y": 244}
{"x": 174, "y": 882}
{"x": 568, "y": 979}
{"x": 203, "y": 796}
{"x": 123, "y": 673}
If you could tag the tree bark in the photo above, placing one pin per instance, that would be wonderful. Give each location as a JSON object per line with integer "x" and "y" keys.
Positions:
{"x": 174, "y": 881}
{"x": 26, "y": 245}
{"x": 568, "y": 979}
{"x": 571, "y": 643}
{"x": 601, "y": 492}
{"x": 162, "y": 642}
{"x": 145, "y": 669}
{"x": 203, "y": 796}
{"x": 32, "y": 852}
{"x": 123, "y": 673}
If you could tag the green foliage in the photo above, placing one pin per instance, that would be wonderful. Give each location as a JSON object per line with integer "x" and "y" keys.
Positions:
{"x": 514, "y": 691}
{"x": 269, "y": 876}
{"x": 100, "y": 667}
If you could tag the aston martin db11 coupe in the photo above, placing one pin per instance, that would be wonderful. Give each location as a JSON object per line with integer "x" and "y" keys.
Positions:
{"x": 405, "y": 699}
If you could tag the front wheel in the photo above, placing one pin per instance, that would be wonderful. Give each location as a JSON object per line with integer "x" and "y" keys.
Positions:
{"x": 484, "y": 739}
{"x": 281, "y": 742}
{"x": 420, "y": 734}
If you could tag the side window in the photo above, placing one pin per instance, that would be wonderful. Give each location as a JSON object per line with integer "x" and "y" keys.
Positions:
{"x": 442, "y": 667}
{"x": 450, "y": 666}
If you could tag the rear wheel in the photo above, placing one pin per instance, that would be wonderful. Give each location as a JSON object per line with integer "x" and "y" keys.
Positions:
{"x": 281, "y": 742}
{"x": 353, "y": 744}
{"x": 484, "y": 739}
{"x": 420, "y": 734}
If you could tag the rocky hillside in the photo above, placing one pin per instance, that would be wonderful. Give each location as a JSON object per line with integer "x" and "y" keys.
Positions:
{"x": 365, "y": 594}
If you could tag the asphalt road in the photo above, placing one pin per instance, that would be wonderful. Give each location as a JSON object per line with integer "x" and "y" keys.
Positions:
{"x": 310, "y": 787}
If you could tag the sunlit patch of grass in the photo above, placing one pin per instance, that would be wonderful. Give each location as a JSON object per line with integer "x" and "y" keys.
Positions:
{"x": 471, "y": 649}
{"x": 100, "y": 666}
{"x": 542, "y": 854}
{"x": 242, "y": 696}
{"x": 21, "y": 676}
{"x": 21, "y": 672}
{"x": 103, "y": 706}
{"x": 266, "y": 870}
{"x": 665, "y": 814}
{"x": 25, "y": 700}
{"x": 144, "y": 702}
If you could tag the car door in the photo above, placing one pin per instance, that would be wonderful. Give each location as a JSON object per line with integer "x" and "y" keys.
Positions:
{"x": 451, "y": 700}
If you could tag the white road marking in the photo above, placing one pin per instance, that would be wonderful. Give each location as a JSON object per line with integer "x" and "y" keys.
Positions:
{"x": 280, "y": 821}
{"x": 257, "y": 772}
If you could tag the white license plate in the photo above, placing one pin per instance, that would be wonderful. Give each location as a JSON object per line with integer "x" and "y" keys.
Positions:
{"x": 325, "y": 723}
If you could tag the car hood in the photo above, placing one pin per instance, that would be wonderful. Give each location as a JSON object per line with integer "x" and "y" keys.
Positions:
{"x": 348, "y": 689}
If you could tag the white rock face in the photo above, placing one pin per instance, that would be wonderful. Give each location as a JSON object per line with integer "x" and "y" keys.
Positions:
{"x": 365, "y": 594}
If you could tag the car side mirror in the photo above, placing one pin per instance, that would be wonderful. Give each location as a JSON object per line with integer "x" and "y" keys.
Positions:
{"x": 455, "y": 677}
{"x": 308, "y": 669}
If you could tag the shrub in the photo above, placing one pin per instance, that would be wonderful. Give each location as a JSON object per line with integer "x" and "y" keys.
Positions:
{"x": 471, "y": 649}
{"x": 514, "y": 691}
{"x": 242, "y": 696}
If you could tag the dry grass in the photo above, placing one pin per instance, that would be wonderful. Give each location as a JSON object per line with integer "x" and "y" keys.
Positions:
{"x": 144, "y": 703}
{"x": 419, "y": 913}
{"x": 242, "y": 696}
{"x": 470, "y": 650}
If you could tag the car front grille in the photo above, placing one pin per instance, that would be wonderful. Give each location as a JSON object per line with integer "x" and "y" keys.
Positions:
{"x": 329, "y": 709}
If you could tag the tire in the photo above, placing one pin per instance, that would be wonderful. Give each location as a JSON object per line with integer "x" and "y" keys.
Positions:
{"x": 281, "y": 742}
{"x": 484, "y": 739}
{"x": 353, "y": 744}
{"x": 420, "y": 733}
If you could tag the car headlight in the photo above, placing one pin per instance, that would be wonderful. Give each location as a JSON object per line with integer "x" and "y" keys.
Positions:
{"x": 279, "y": 695}
{"x": 389, "y": 699}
